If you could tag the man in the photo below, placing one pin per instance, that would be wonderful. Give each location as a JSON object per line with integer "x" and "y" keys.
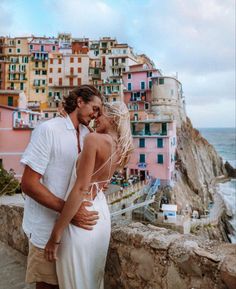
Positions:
{"x": 49, "y": 160}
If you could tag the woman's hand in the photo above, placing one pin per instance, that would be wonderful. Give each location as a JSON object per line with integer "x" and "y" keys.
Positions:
{"x": 50, "y": 251}
{"x": 61, "y": 111}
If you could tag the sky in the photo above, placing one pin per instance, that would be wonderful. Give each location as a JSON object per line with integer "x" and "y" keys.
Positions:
{"x": 191, "y": 39}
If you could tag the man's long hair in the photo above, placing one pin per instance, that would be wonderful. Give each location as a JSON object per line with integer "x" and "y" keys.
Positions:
{"x": 86, "y": 92}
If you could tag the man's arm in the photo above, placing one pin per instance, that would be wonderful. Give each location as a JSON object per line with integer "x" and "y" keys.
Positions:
{"x": 32, "y": 187}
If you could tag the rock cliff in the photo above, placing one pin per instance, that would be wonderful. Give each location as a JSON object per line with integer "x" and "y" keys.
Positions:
{"x": 197, "y": 167}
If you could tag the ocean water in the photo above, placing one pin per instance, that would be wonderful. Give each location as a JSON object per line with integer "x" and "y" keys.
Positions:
{"x": 224, "y": 141}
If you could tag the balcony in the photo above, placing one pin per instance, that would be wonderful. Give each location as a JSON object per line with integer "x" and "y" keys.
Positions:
{"x": 34, "y": 104}
{"x": 148, "y": 134}
{"x": 71, "y": 74}
{"x": 118, "y": 65}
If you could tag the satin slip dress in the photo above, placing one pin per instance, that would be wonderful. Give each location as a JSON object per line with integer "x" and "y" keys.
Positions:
{"x": 82, "y": 253}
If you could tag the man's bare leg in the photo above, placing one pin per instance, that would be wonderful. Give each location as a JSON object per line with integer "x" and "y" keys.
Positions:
{"x": 42, "y": 285}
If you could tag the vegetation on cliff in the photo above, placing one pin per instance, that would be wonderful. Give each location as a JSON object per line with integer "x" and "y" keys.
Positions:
{"x": 9, "y": 185}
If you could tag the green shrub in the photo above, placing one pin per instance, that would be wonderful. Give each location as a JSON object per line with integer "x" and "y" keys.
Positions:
{"x": 9, "y": 185}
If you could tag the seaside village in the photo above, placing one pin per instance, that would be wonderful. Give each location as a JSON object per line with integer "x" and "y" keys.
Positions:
{"x": 35, "y": 74}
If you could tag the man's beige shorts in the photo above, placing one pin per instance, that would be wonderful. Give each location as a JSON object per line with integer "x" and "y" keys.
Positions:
{"x": 38, "y": 268}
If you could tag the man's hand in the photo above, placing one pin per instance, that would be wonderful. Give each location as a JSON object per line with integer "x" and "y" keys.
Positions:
{"x": 85, "y": 219}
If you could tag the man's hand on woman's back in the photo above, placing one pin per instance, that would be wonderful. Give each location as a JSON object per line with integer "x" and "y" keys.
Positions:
{"x": 85, "y": 219}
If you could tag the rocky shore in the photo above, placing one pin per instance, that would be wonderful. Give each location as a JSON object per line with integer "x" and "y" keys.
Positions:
{"x": 198, "y": 166}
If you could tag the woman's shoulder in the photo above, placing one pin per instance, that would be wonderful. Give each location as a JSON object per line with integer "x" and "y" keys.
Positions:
{"x": 94, "y": 137}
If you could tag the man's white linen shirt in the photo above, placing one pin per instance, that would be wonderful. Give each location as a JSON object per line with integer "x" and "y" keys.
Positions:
{"x": 52, "y": 152}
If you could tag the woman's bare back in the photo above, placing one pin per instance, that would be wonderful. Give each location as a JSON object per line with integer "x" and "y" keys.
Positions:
{"x": 107, "y": 157}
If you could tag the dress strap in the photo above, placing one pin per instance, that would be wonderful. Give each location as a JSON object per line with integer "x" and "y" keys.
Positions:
{"x": 109, "y": 159}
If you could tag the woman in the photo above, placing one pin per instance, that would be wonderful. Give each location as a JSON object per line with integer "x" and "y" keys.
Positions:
{"x": 81, "y": 253}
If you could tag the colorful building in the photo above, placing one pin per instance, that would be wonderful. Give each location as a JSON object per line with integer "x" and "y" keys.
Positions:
{"x": 16, "y": 126}
{"x": 138, "y": 89}
{"x": 154, "y": 154}
{"x": 66, "y": 71}
{"x": 39, "y": 49}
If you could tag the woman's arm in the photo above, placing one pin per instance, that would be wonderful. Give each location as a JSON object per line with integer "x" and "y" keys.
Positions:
{"x": 76, "y": 197}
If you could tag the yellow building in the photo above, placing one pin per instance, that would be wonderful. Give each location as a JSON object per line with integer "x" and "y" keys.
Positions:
{"x": 16, "y": 55}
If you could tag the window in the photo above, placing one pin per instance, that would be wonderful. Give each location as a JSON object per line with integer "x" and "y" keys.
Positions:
{"x": 21, "y": 86}
{"x": 71, "y": 59}
{"x": 161, "y": 80}
{"x": 50, "y": 80}
{"x": 129, "y": 86}
{"x": 160, "y": 159}
{"x": 129, "y": 75}
{"x": 18, "y": 50}
{"x": 19, "y": 114}
{"x": 79, "y": 59}
{"x": 142, "y": 142}
{"x": 43, "y": 64}
{"x": 71, "y": 70}
{"x": 44, "y": 72}
{"x": 43, "y": 90}
{"x": 18, "y": 41}
{"x": 51, "y": 61}
{"x": 31, "y": 47}
{"x": 51, "y": 70}
{"x": 79, "y": 81}
{"x": 36, "y": 64}
{"x": 142, "y": 85}
{"x": 142, "y": 158}
{"x": 146, "y": 105}
{"x": 59, "y": 70}
{"x": 173, "y": 141}
{"x": 50, "y": 94}
{"x": 46, "y": 115}
{"x": 10, "y": 101}
{"x": 60, "y": 81}
{"x": 53, "y": 48}
{"x": 10, "y": 50}
{"x": 149, "y": 74}
{"x": 79, "y": 69}
{"x": 160, "y": 142}
{"x": 150, "y": 84}
{"x": 59, "y": 61}
{"x": 37, "y": 90}
{"x": 43, "y": 81}
{"x": 172, "y": 92}
{"x": 123, "y": 60}
{"x": 114, "y": 99}
{"x": 42, "y": 48}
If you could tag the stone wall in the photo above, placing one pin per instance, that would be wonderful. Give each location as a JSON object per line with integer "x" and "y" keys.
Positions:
{"x": 148, "y": 257}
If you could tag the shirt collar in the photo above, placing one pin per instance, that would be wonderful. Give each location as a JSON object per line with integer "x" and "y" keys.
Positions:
{"x": 69, "y": 123}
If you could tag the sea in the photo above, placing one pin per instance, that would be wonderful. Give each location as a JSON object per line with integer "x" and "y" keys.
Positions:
{"x": 224, "y": 141}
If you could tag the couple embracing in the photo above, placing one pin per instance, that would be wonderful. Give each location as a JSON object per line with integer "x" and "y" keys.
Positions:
{"x": 67, "y": 167}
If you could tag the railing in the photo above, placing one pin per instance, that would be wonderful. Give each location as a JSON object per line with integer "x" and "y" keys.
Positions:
{"x": 142, "y": 133}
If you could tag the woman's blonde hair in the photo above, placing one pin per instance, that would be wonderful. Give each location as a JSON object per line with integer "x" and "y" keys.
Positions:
{"x": 121, "y": 116}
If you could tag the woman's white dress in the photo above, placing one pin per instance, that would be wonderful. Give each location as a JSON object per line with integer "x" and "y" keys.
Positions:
{"x": 82, "y": 253}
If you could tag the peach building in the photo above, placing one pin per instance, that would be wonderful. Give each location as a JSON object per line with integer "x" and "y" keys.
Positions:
{"x": 40, "y": 49}
{"x": 154, "y": 154}
{"x": 65, "y": 72}
{"x": 16, "y": 126}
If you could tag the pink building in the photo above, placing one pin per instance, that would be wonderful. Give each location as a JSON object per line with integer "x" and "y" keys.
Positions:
{"x": 154, "y": 154}
{"x": 16, "y": 126}
{"x": 137, "y": 88}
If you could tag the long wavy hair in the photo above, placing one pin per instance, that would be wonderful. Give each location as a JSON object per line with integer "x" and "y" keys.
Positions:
{"x": 121, "y": 116}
